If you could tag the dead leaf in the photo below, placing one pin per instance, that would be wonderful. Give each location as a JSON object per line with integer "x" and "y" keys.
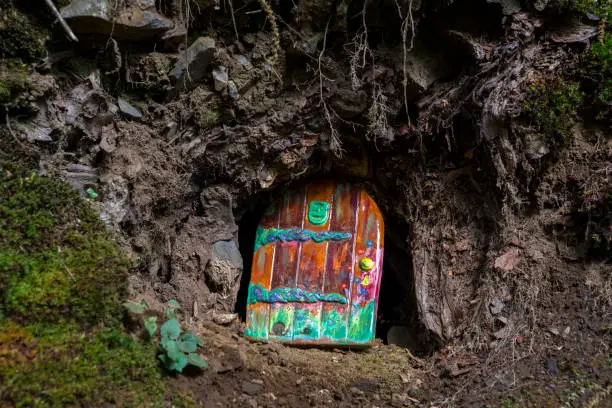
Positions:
{"x": 508, "y": 261}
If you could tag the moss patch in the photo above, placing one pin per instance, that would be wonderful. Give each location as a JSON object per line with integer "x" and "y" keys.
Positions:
{"x": 13, "y": 79}
{"x": 62, "y": 279}
{"x": 20, "y": 36}
{"x": 550, "y": 107}
{"x": 62, "y": 367}
{"x": 57, "y": 262}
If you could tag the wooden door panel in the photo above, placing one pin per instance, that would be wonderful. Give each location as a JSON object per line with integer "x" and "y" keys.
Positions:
{"x": 258, "y": 313}
{"x": 365, "y": 283}
{"x": 339, "y": 269}
{"x": 317, "y": 265}
{"x": 286, "y": 269}
{"x": 312, "y": 257}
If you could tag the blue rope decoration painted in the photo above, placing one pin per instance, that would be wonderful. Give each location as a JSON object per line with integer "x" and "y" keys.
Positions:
{"x": 270, "y": 235}
{"x": 258, "y": 293}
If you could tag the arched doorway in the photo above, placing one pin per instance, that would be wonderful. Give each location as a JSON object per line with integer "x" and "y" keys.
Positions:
{"x": 317, "y": 267}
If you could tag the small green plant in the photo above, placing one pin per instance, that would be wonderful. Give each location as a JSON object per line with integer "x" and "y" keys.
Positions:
{"x": 177, "y": 351}
{"x": 549, "y": 107}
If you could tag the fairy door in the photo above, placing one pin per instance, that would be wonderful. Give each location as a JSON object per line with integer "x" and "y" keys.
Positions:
{"x": 317, "y": 266}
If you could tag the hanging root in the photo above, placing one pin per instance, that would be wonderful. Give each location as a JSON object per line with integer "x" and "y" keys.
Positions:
{"x": 270, "y": 13}
{"x": 62, "y": 21}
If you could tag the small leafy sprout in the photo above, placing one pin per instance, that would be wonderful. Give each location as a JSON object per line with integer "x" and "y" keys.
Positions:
{"x": 151, "y": 325}
{"x": 137, "y": 308}
{"x": 179, "y": 351}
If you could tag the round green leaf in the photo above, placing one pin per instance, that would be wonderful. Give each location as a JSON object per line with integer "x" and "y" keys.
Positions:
{"x": 172, "y": 349}
{"x": 171, "y": 329}
{"x": 189, "y": 342}
{"x": 151, "y": 325}
{"x": 166, "y": 361}
{"x": 174, "y": 304}
{"x": 197, "y": 360}
{"x": 180, "y": 363}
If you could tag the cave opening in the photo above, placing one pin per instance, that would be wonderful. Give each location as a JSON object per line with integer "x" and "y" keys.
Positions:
{"x": 397, "y": 319}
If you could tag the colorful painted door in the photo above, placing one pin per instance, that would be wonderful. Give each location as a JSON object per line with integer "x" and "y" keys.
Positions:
{"x": 317, "y": 266}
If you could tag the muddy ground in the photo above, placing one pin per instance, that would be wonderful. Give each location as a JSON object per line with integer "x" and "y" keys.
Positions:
{"x": 477, "y": 126}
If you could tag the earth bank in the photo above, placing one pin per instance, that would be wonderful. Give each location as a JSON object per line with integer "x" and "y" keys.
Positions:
{"x": 480, "y": 128}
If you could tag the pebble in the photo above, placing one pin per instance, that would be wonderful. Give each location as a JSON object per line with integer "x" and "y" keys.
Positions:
{"x": 128, "y": 110}
{"x": 220, "y": 77}
{"x": 250, "y": 388}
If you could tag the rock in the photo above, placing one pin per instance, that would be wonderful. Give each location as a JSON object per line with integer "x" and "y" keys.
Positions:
{"x": 554, "y": 331}
{"x": 228, "y": 251}
{"x": 356, "y": 391}
{"x": 566, "y": 332}
{"x": 193, "y": 65}
{"x": 551, "y": 366}
{"x": 243, "y": 61}
{"x": 221, "y": 78}
{"x": 137, "y": 20}
{"x": 224, "y": 267}
{"x": 224, "y": 318}
{"x": 496, "y": 306}
{"x": 232, "y": 90}
{"x": 128, "y": 110}
{"x": 575, "y": 32}
{"x": 250, "y": 388}
{"x": 508, "y": 261}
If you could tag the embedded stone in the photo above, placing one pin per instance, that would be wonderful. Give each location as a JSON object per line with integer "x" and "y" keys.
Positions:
{"x": 193, "y": 65}
{"x": 137, "y": 20}
{"x": 128, "y": 110}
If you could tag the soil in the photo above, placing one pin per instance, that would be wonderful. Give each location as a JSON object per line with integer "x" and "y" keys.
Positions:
{"x": 460, "y": 118}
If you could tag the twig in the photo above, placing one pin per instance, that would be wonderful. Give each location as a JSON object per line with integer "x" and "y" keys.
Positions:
{"x": 231, "y": 6}
{"x": 61, "y": 20}
{"x": 14, "y": 136}
{"x": 405, "y": 51}
{"x": 276, "y": 37}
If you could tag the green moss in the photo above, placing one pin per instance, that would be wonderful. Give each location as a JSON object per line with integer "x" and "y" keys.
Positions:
{"x": 601, "y": 61}
{"x": 184, "y": 401}
{"x": 57, "y": 262}
{"x": 550, "y": 107}
{"x": 13, "y": 79}
{"x": 63, "y": 367}
{"x": 62, "y": 282}
{"x": 598, "y": 7}
{"x": 20, "y": 36}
